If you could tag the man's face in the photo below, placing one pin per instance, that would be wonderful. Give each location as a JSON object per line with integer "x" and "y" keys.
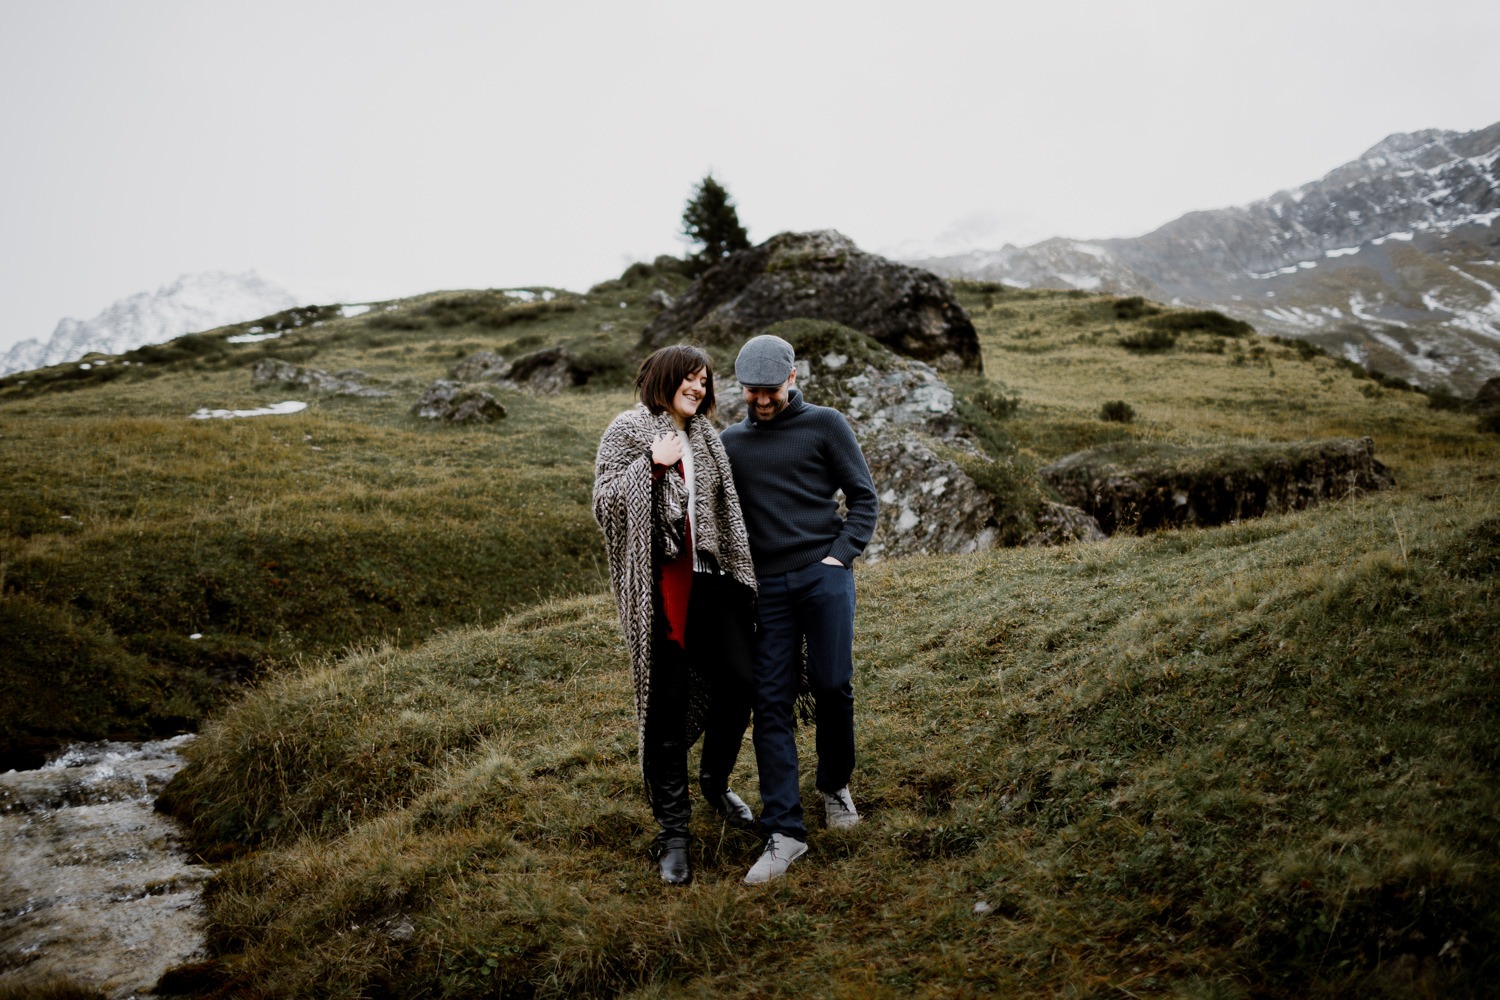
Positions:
{"x": 767, "y": 401}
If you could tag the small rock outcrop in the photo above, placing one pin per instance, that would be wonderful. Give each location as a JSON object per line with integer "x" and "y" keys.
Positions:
{"x": 1138, "y": 488}
{"x": 928, "y": 504}
{"x": 458, "y": 403}
{"x": 546, "y": 372}
{"x": 543, "y": 372}
{"x": 349, "y": 382}
{"x": 1060, "y": 524}
{"x": 822, "y": 275}
{"x": 481, "y": 366}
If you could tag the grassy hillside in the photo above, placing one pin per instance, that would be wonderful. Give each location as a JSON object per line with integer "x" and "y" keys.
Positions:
{"x": 126, "y": 528}
{"x": 1252, "y": 760}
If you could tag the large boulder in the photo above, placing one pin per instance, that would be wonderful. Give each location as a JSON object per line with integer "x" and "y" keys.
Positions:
{"x": 1139, "y": 487}
{"x": 822, "y": 275}
{"x": 920, "y": 454}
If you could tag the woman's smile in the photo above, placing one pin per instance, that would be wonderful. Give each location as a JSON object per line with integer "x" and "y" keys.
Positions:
{"x": 690, "y": 393}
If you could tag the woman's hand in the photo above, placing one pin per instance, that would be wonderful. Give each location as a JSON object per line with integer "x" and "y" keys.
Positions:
{"x": 666, "y": 449}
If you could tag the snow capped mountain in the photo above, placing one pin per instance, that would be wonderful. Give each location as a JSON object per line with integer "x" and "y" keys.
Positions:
{"x": 1055, "y": 263}
{"x": 192, "y": 303}
{"x": 1391, "y": 260}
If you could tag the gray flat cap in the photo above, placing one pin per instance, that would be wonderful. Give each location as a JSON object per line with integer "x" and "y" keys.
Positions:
{"x": 764, "y": 360}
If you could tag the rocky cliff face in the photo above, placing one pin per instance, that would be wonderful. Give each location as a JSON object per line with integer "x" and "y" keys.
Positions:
{"x": 822, "y": 276}
{"x": 1391, "y": 260}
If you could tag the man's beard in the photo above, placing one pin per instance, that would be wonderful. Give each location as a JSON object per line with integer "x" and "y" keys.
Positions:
{"x": 771, "y": 412}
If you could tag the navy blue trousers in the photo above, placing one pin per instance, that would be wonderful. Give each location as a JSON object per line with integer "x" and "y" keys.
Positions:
{"x": 816, "y": 601}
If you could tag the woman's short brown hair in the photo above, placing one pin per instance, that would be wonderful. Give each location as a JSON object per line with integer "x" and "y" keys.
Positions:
{"x": 662, "y": 373}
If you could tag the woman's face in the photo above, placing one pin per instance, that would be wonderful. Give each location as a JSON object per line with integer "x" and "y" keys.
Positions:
{"x": 690, "y": 393}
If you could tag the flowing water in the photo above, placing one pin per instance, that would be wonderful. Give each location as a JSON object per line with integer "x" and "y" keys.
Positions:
{"x": 94, "y": 886}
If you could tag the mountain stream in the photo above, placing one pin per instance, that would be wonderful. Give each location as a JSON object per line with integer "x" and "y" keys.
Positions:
{"x": 94, "y": 886}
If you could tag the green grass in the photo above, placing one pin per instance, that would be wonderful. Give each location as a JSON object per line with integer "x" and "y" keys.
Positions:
{"x": 1254, "y": 760}
{"x": 1171, "y": 765}
{"x": 1251, "y": 760}
{"x": 128, "y": 528}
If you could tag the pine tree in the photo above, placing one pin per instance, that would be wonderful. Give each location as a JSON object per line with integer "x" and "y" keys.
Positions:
{"x": 711, "y": 221}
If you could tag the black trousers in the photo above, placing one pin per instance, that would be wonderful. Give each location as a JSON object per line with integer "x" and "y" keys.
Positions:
{"x": 666, "y": 748}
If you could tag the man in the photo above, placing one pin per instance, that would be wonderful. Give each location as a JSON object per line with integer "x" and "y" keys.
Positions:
{"x": 790, "y": 459}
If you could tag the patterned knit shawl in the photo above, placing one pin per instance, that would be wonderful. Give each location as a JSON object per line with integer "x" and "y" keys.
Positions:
{"x": 630, "y": 505}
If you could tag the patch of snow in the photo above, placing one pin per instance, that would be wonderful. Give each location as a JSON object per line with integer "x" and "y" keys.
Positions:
{"x": 1294, "y": 315}
{"x": 1289, "y": 269}
{"x": 251, "y": 338}
{"x": 1341, "y": 252}
{"x": 1403, "y": 237}
{"x": 349, "y": 312}
{"x": 275, "y": 409}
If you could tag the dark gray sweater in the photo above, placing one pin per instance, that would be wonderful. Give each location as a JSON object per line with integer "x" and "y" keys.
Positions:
{"x": 786, "y": 472}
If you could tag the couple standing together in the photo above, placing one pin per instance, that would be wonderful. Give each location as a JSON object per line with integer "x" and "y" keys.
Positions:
{"x": 724, "y": 556}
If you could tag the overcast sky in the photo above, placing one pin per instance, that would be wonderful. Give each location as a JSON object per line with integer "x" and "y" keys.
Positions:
{"x": 356, "y": 150}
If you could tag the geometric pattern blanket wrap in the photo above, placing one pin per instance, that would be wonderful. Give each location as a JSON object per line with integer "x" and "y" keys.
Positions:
{"x": 641, "y": 515}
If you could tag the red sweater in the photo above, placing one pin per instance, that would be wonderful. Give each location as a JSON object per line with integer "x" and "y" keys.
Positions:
{"x": 676, "y": 580}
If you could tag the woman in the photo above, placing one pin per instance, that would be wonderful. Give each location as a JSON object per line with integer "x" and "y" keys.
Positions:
{"x": 679, "y": 564}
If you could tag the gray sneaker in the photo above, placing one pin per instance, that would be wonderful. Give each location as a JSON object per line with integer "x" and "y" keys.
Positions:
{"x": 838, "y": 809}
{"x": 781, "y": 850}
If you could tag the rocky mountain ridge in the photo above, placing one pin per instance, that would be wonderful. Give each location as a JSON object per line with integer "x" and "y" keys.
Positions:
{"x": 192, "y": 303}
{"x": 1391, "y": 260}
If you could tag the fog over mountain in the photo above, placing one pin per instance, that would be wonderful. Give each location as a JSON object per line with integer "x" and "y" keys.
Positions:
{"x": 1391, "y": 260}
{"x": 192, "y": 303}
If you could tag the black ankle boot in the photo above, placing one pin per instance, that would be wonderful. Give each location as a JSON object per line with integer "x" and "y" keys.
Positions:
{"x": 672, "y": 855}
{"x": 724, "y": 802}
{"x": 734, "y": 810}
{"x": 667, "y": 786}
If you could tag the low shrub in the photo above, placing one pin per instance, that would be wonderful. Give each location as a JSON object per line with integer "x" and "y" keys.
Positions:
{"x": 1135, "y": 307}
{"x": 983, "y": 406}
{"x": 1201, "y": 321}
{"x": 1306, "y": 349}
{"x": 1150, "y": 340}
{"x": 1117, "y": 411}
{"x": 492, "y": 310}
{"x": 1442, "y": 398}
